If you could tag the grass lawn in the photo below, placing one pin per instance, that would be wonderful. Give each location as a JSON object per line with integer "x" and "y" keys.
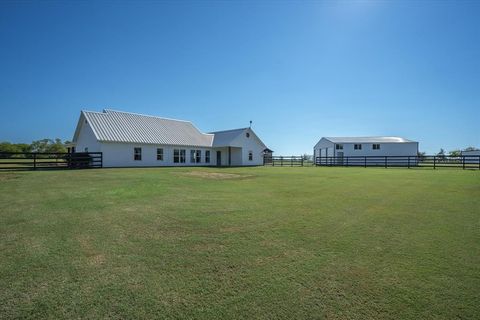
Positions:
{"x": 240, "y": 243}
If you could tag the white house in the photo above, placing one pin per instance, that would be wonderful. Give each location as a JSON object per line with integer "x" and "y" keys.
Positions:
{"x": 471, "y": 156}
{"x": 340, "y": 147}
{"x": 471, "y": 153}
{"x": 133, "y": 140}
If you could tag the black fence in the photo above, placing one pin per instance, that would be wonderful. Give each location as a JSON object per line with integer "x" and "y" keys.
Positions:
{"x": 463, "y": 162}
{"x": 284, "y": 161}
{"x": 50, "y": 160}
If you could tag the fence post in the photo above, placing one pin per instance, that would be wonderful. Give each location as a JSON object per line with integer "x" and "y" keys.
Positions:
{"x": 463, "y": 162}
{"x": 34, "y": 161}
{"x": 385, "y": 162}
{"x": 281, "y": 161}
{"x": 347, "y": 162}
{"x": 408, "y": 162}
{"x": 434, "y": 162}
{"x": 291, "y": 161}
{"x": 302, "y": 161}
{"x": 365, "y": 161}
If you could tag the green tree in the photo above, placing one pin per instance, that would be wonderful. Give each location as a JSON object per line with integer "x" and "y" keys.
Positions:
{"x": 56, "y": 146}
{"x": 421, "y": 155}
{"x": 455, "y": 153}
{"x": 441, "y": 154}
{"x": 7, "y": 147}
{"x": 48, "y": 145}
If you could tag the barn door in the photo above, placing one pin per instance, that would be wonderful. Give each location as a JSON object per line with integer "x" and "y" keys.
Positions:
{"x": 340, "y": 158}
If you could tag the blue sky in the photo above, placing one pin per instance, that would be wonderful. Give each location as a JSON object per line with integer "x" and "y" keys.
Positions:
{"x": 299, "y": 70}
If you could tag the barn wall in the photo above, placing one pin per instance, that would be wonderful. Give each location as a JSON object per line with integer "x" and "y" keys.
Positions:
{"x": 386, "y": 149}
{"x": 252, "y": 144}
{"x": 86, "y": 139}
{"x": 320, "y": 149}
{"x": 122, "y": 155}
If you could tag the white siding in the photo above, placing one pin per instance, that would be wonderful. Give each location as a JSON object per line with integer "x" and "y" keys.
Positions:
{"x": 386, "y": 149}
{"x": 473, "y": 156}
{"x": 122, "y": 155}
{"x": 86, "y": 139}
{"x": 471, "y": 153}
{"x": 253, "y": 144}
{"x": 323, "y": 148}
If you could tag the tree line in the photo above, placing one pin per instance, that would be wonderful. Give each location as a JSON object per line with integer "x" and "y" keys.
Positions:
{"x": 43, "y": 145}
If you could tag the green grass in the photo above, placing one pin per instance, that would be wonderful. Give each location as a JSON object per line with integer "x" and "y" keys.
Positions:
{"x": 248, "y": 243}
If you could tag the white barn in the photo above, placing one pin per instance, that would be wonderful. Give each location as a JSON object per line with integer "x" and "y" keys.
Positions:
{"x": 365, "y": 146}
{"x": 471, "y": 156}
{"x": 135, "y": 140}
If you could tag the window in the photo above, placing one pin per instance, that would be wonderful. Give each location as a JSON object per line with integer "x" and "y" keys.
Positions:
{"x": 207, "y": 156}
{"x": 160, "y": 154}
{"x": 250, "y": 156}
{"x": 137, "y": 154}
{"x": 195, "y": 156}
{"x": 376, "y": 146}
{"x": 339, "y": 146}
{"x": 357, "y": 147}
{"x": 183, "y": 155}
{"x": 179, "y": 155}
{"x": 247, "y": 134}
{"x": 86, "y": 149}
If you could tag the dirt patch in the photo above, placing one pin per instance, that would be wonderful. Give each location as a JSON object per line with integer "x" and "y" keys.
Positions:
{"x": 93, "y": 257}
{"x": 96, "y": 260}
{"x": 215, "y": 175}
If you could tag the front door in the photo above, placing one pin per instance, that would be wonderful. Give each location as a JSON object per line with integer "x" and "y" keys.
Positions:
{"x": 219, "y": 158}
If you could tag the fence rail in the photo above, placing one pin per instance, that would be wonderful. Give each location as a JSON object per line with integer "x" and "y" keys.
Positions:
{"x": 463, "y": 162}
{"x": 50, "y": 160}
{"x": 284, "y": 161}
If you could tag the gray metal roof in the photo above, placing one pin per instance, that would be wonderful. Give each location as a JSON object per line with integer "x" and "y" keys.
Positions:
{"x": 368, "y": 140}
{"x": 225, "y": 138}
{"x": 119, "y": 126}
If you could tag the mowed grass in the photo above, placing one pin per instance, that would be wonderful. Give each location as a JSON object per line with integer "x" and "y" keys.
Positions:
{"x": 240, "y": 243}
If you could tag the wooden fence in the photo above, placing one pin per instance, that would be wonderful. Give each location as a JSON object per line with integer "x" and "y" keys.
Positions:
{"x": 462, "y": 162}
{"x": 284, "y": 161}
{"x": 50, "y": 160}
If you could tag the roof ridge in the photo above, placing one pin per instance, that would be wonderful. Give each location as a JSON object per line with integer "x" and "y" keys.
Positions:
{"x": 93, "y": 111}
{"x": 374, "y": 139}
{"x": 365, "y": 137}
{"x": 213, "y": 132}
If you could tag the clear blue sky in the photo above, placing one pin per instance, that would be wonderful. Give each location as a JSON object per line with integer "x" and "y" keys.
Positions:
{"x": 299, "y": 70}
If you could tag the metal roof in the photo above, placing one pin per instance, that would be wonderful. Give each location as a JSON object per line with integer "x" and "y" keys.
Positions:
{"x": 368, "y": 140}
{"x": 225, "y": 138}
{"x": 119, "y": 126}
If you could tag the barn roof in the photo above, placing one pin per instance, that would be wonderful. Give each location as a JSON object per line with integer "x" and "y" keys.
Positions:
{"x": 228, "y": 137}
{"x": 225, "y": 137}
{"x": 368, "y": 140}
{"x": 119, "y": 126}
